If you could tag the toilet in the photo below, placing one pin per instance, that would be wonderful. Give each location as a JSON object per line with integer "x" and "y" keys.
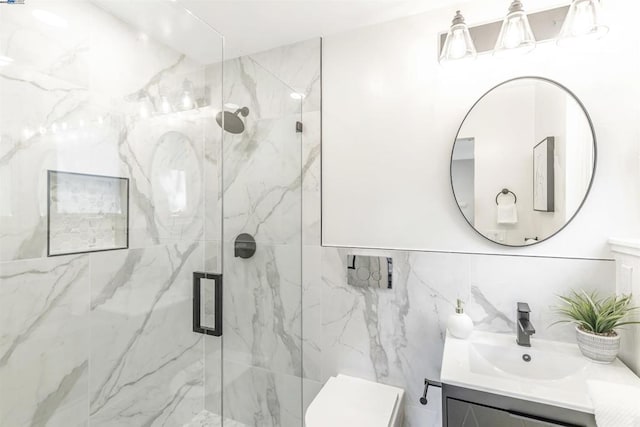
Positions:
{"x": 352, "y": 402}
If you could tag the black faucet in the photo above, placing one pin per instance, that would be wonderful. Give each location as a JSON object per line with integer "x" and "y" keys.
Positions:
{"x": 525, "y": 328}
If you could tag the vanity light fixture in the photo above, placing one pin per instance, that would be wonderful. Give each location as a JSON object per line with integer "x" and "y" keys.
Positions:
{"x": 515, "y": 34}
{"x": 584, "y": 20}
{"x": 458, "y": 44}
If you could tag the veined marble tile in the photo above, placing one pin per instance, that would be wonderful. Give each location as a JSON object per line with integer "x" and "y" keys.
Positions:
{"x": 82, "y": 113}
{"x": 213, "y": 374}
{"x": 249, "y": 84}
{"x": 429, "y": 416}
{"x": 391, "y": 336}
{"x": 44, "y": 342}
{"x": 298, "y": 65}
{"x": 146, "y": 363}
{"x": 311, "y": 174}
{"x": 499, "y": 282}
{"x": 262, "y": 304}
{"x": 262, "y": 186}
{"x": 312, "y": 309}
{"x": 209, "y": 419}
{"x": 261, "y": 398}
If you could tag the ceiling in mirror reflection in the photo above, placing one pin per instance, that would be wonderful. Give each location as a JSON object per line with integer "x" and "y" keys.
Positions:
{"x": 523, "y": 161}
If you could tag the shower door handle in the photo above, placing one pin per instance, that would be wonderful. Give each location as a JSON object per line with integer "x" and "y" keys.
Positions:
{"x": 211, "y": 324}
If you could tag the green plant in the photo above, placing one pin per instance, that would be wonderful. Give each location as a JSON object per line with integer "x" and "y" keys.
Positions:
{"x": 600, "y": 316}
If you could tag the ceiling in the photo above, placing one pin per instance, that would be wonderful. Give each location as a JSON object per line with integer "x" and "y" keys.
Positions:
{"x": 250, "y": 26}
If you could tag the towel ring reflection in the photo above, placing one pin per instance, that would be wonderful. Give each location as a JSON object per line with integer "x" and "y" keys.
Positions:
{"x": 507, "y": 191}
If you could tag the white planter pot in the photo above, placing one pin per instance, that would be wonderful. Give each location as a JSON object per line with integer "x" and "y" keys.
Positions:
{"x": 598, "y": 348}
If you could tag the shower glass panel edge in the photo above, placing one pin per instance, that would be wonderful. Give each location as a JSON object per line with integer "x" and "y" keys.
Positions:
{"x": 262, "y": 207}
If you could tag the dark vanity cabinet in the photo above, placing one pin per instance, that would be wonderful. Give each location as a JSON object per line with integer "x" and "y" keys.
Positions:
{"x": 463, "y": 407}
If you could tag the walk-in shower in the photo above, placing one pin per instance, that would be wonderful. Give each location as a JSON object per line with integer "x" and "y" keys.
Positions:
{"x": 116, "y": 186}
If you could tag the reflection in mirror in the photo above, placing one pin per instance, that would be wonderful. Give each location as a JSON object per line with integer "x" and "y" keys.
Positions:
{"x": 523, "y": 161}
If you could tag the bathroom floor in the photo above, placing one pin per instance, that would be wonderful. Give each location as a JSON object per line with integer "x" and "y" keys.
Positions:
{"x": 209, "y": 419}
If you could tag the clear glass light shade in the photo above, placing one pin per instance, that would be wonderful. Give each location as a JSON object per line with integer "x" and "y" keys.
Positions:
{"x": 515, "y": 35}
{"x": 584, "y": 20}
{"x": 458, "y": 44}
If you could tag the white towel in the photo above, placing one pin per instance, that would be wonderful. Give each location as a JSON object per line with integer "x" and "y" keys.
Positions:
{"x": 507, "y": 213}
{"x": 616, "y": 405}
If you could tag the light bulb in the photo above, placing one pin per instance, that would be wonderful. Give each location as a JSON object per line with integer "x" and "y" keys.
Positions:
{"x": 515, "y": 34}
{"x": 583, "y": 21}
{"x": 144, "y": 110}
{"x": 165, "y": 105}
{"x": 187, "y": 101}
{"x": 512, "y": 34}
{"x": 458, "y": 45}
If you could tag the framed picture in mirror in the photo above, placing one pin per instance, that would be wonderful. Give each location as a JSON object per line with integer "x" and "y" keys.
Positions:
{"x": 543, "y": 175}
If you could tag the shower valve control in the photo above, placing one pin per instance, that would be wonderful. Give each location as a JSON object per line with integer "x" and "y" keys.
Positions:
{"x": 244, "y": 246}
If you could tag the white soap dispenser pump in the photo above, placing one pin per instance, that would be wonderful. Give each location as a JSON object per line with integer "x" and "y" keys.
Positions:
{"x": 460, "y": 324}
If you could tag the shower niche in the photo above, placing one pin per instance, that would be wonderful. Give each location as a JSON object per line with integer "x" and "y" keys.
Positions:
{"x": 86, "y": 213}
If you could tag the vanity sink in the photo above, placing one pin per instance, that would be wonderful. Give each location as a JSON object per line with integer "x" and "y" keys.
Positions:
{"x": 548, "y": 372}
{"x": 526, "y": 363}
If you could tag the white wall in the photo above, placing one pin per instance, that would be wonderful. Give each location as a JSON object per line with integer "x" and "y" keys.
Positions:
{"x": 390, "y": 115}
{"x": 627, "y": 256}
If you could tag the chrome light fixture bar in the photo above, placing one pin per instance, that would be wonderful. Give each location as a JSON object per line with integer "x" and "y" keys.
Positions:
{"x": 581, "y": 20}
{"x": 458, "y": 44}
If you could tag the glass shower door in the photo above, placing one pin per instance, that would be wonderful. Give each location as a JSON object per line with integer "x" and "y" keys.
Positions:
{"x": 261, "y": 366}
{"x": 107, "y": 137}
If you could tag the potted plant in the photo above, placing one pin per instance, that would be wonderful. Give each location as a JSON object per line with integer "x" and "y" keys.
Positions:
{"x": 596, "y": 321}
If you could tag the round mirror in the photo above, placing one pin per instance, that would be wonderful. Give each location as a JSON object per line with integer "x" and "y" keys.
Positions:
{"x": 523, "y": 161}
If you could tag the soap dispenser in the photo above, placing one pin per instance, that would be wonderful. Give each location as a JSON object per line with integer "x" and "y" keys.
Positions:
{"x": 460, "y": 324}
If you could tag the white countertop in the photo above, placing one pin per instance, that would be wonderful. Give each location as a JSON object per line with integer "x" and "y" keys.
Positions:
{"x": 556, "y": 375}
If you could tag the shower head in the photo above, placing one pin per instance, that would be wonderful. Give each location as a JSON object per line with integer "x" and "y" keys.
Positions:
{"x": 232, "y": 122}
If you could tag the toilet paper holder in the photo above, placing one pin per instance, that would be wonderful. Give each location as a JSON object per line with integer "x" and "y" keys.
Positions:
{"x": 427, "y": 383}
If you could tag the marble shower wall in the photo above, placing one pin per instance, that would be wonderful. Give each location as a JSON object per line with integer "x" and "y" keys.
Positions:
{"x": 100, "y": 338}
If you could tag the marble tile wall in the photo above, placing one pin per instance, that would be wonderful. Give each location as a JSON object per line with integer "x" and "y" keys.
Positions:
{"x": 102, "y": 338}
